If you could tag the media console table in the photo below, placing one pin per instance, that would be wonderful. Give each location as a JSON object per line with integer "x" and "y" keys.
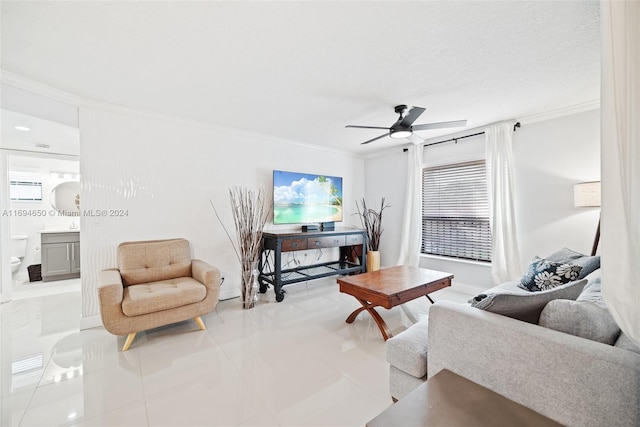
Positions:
{"x": 351, "y": 260}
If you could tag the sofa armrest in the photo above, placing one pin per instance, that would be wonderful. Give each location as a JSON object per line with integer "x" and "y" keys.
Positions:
{"x": 110, "y": 287}
{"x": 205, "y": 273}
{"x": 570, "y": 379}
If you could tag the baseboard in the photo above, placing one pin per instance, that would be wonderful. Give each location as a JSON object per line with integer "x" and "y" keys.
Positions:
{"x": 90, "y": 322}
{"x": 229, "y": 293}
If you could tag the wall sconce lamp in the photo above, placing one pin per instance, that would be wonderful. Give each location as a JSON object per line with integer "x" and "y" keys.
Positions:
{"x": 587, "y": 195}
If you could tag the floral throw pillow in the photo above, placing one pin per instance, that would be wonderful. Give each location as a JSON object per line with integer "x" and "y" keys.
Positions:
{"x": 544, "y": 274}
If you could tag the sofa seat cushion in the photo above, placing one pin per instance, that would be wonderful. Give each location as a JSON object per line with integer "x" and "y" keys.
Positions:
{"x": 408, "y": 351}
{"x": 162, "y": 295}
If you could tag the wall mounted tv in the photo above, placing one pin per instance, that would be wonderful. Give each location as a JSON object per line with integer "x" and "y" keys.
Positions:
{"x": 300, "y": 198}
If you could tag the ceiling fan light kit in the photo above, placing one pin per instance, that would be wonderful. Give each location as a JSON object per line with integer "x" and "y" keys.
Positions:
{"x": 403, "y": 127}
{"x": 398, "y": 134}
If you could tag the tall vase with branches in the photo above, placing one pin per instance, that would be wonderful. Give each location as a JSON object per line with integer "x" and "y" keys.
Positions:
{"x": 371, "y": 221}
{"x": 250, "y": 212}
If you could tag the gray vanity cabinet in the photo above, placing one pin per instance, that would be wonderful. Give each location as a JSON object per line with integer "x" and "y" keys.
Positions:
{"x": 60, "y": 255}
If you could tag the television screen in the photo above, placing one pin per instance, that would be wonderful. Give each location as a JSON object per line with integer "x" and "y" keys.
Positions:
{"x": 300, "y": 198}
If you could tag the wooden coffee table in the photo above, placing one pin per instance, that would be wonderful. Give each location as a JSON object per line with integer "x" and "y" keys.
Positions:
{"x": 390, "y": 287}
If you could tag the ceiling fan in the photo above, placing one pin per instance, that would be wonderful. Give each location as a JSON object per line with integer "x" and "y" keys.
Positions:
{"x": 403, "y": 127}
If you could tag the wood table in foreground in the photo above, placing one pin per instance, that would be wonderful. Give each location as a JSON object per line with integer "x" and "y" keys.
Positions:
{"x": 447, "y": 399}
{"x": 390, "y": 287}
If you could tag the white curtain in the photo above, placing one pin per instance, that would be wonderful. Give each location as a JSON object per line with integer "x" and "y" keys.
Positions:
{"x": 411, "y": 236}
{"x": 505, "y": 257}
{"x": 620, "y": 147}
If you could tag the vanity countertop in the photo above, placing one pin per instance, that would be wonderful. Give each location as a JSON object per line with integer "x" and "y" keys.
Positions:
{"x": 60, "y": 230}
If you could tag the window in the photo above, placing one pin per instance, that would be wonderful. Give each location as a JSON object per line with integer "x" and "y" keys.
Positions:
{"x": 25, "y": 187}
{"x": 455, "y": 211}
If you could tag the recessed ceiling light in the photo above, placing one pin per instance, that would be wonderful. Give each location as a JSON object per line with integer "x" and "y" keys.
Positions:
{"x": 43, "y": 146}
{"x": 22, "y": 128}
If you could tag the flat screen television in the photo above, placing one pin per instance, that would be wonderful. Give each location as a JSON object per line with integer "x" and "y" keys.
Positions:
{"x": 301, "y": 198}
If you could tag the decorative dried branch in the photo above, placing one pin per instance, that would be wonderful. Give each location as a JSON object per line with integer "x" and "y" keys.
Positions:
{"x": 372, "y": 223}
{"x": 250, "y": 213}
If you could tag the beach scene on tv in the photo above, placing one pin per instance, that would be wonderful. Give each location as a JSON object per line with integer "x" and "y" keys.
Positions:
{"x": 300, "y": 198}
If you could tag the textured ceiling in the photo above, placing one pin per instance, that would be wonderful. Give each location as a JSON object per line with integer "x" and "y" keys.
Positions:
{"x": 303, "y": 70}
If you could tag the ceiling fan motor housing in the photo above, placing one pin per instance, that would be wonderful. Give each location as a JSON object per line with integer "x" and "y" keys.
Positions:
{"x": 400, "y": 109}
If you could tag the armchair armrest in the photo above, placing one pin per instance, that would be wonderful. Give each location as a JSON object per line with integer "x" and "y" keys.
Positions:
{"x": 205, "y": 273}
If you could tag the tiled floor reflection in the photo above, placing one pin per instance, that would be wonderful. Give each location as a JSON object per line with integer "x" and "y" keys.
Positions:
{"x": 295, "y": 363}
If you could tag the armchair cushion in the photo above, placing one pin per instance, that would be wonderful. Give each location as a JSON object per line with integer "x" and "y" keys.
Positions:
{"x": 161, "y": 295}
{"x": 155, "y": 260}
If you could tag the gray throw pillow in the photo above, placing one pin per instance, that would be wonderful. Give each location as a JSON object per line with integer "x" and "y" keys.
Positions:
{"x": 580, "y": 318}
{"x": 588, "y": 263}
{"x": 525, "y": 305}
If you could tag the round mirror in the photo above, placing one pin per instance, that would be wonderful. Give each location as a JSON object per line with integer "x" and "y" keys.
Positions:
{"x": 65, "y": 198}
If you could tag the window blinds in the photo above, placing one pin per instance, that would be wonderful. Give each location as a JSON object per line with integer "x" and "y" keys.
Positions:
{"x": 25, "y": 186}
{"x": 455, "y": 211}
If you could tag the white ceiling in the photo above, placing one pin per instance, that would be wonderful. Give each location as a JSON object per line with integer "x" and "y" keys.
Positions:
{"x": 303, "y": 70}
{"x": 59, "y": 138}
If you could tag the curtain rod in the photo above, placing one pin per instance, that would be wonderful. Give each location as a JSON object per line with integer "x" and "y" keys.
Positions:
{"x": 517, "y": 125}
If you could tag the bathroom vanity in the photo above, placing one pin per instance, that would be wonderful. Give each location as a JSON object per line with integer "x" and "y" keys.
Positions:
{"x": 60, "y": 254}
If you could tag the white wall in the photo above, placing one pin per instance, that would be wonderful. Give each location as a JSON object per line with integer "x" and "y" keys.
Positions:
{"x": 385, "y": 176}
{"x": 163, "y": 172}
{"x": 549, "y": 158}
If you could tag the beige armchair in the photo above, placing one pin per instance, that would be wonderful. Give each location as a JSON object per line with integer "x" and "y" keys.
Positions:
{"x": 156, "y": 283}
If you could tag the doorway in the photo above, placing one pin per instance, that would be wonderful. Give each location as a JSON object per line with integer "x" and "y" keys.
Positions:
{"x": 41, "y": 158}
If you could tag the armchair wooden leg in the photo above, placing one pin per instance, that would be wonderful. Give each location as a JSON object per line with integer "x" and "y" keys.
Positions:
{"x": 129, "y": 340}
{"x": 200, "y": 323}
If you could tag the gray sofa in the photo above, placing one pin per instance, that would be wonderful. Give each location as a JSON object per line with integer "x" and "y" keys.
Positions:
{"x": 593, "y": 381}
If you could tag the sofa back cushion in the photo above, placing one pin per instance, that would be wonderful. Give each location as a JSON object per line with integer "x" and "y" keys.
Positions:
{"x": 626, "y": 343}
{"x": 580, "y": 318}
{"x": 587, "y": 317}
{"x": 153, "y": 260}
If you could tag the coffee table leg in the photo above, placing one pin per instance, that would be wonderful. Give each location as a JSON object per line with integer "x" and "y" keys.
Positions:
{"x": 429, "y": 298}
{"x": 384, "y": 329}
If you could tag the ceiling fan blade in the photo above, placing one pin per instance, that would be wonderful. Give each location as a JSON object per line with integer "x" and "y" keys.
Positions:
{"x": 440, "y": 125}
{"x": 366, "y": 127}
{"x": 411, "y": 116}
{"x": 375, "y": 139}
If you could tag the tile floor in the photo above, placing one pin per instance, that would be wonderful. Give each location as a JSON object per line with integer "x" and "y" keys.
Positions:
{"x": 295, "y": 363}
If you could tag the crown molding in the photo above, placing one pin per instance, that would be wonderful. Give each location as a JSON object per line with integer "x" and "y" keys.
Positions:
{"x": 525, "y": 120}
{"x": 560, "y": 112}
{"x": 221, "y": 128}
{"x": 39, "y": 88}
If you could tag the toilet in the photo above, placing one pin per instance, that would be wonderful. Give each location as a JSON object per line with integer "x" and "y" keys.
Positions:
{"x": 18, "y": 250}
